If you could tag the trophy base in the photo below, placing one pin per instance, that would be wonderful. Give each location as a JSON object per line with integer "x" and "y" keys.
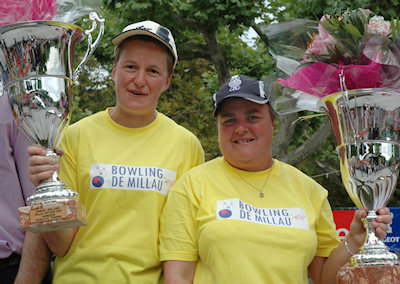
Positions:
{"x": 368, "y": 274}
{"x": 52, "y": 216}
{"x": 50, "y": 192}
{"x": 376, "y": 254}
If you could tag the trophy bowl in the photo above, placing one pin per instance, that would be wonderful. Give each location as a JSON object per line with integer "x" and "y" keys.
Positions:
{"x": 366, "y": 125}
{"x": 36, "y": 65}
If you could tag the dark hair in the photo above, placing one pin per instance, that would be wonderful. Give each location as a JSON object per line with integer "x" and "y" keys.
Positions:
{"x": 118, "y": 49}
{"x": 272, "y": 112}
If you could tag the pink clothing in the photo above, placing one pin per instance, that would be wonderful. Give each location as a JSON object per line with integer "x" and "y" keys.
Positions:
{"x": 15, "y": 186}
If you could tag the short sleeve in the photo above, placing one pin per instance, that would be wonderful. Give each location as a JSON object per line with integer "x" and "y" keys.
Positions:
{"x": 179, "y": 229}
{"x": 327, "y": 236}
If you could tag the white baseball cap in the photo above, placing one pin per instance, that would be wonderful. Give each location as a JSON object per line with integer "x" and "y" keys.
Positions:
{"x": 149, "y": 28}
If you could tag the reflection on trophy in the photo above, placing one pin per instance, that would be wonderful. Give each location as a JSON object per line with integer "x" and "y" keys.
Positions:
{"x": 36, "y": 65}
{"x": 366, "y": 124}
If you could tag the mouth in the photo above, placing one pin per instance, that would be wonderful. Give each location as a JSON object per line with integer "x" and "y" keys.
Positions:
{"x": 243, "y": 141}
{"x": 137, "y": 93}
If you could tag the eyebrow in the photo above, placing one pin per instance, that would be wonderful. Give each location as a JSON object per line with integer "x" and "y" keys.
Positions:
{"x": 230, "y": 114}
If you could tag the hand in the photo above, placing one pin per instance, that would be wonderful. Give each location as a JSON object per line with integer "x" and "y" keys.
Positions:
{"x": 356, "y": 236}
{"x": 381, "y": 223}
{"x": 41, "y": 167}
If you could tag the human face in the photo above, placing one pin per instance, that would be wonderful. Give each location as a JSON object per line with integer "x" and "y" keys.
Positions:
{"x": 140, "y": 76}
{"x": 245, "y": 132}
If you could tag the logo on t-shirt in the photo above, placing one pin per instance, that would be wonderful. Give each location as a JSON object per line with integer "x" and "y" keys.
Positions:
{"x": 235, "y": 209}
{"x": 98, "y": 180}
{"x": 131, "y": 178}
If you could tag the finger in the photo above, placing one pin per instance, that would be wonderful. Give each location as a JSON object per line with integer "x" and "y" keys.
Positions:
{"x": 59, "y": 151}
{"x": 40, "y": 177}
{"x": 383, "y": 211}
{"x": 41, "y": 160}
{"x": 359, "y": 214}
{"x": 380, "y": 234}
{"x": 382, "y": 226}
{"x": 37, "y": 169}
{"x": 386, "y": 219}
{"x": 357, "y": 229}
{"x": 36, "y": 150}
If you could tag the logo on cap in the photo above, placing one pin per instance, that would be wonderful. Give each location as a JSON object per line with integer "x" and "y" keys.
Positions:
{"x": 234, "y": 83}
{"x": 144, "y": 28}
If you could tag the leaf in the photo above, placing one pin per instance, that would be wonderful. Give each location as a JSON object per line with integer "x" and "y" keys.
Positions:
{"x": 394, "y": 29}
{"x": 353, "y": 31}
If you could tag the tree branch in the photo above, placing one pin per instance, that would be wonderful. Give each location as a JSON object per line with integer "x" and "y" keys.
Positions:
{"x": 262, "y": 35}
{"x": 315, "y": 142}
{"x": 283, "y": 136}
{"x": 217, "y": 56}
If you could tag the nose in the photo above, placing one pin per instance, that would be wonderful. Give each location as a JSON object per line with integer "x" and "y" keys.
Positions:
{"x": 140, "y": 78}
{"x": 241, "y": 127}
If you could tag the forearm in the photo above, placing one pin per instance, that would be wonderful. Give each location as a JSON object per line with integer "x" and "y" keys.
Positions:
{"x": 59, "y": 241}
{"x": 179, "y": 272}
{"x": 335, "y": 261}
{"x": 35, "y": 261}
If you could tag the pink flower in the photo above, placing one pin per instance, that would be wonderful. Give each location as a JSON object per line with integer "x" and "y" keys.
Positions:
{"x": 378, "y": 26}
{"x": 321, "y": 43}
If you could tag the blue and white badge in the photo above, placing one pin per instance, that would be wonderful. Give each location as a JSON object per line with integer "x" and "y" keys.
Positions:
{"x": 234, "y": 83}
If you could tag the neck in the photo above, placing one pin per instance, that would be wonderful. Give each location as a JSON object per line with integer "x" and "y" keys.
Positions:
{"x": 249, "y": 168}
{"x": 131, "y": 120}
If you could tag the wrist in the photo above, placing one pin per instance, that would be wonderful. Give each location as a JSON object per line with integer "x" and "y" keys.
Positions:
{"x": 350, "y": 246}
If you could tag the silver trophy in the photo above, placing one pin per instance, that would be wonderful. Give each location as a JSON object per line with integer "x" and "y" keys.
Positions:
{"x": 366, "y": 124}
{"x": 36, "y": 65}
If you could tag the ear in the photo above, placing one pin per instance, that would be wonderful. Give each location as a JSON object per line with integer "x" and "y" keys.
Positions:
{"x": 113, "y": 72}
{"x": 167, "y": 83}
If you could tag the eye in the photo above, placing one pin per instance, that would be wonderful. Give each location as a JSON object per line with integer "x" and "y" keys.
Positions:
{"x": 228, "y": 121}
{"x": 130, "y": 67}
{"x": 253, "y": 118}
{"x": 154, "y": 71}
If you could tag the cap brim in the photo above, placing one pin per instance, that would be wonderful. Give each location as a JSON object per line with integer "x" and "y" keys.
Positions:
{"x": 124, "y": 35}
{"x": 252, "y": 98}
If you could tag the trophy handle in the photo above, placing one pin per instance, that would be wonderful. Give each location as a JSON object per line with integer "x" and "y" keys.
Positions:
{"x": 91, "y": 46}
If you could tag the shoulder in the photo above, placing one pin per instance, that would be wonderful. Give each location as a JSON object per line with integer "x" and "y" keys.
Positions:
{"x": 174, "y": 128}
{"x": 287, "y": 169}
{"x": 94, "y": 118}
{"x": 292, "y": 175}
{"x": 209, "y": 169}
{"x": 86, "y": 123}
{"x": 198, "y": 177}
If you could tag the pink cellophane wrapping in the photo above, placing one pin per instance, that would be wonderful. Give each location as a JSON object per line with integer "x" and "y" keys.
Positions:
{"x": 13, "y": 11}
{"x": 320, "y": 79}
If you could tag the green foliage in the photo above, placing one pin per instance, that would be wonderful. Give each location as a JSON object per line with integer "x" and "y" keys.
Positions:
{"x": 189, "y": 103}
{"x": 349, "y": 30}
{"x": 94, "y": 93}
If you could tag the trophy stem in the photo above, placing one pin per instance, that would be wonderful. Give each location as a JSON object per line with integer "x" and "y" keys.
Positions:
{"x": 52, "y": 190}
{"x": 374, "y": 251}
{"x": 52, "y": 154}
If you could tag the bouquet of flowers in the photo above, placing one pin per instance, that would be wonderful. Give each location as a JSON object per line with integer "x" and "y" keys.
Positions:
{"x": 355, "y": 48}
{"x": 13, "y": 11}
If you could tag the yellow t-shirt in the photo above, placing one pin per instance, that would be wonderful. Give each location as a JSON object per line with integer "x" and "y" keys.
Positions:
{"x": 123, "y": 176}
{"x": 214, "y": 217}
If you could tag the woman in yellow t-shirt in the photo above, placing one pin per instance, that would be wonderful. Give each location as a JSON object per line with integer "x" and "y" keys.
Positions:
{"x": 248, "y": 218}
